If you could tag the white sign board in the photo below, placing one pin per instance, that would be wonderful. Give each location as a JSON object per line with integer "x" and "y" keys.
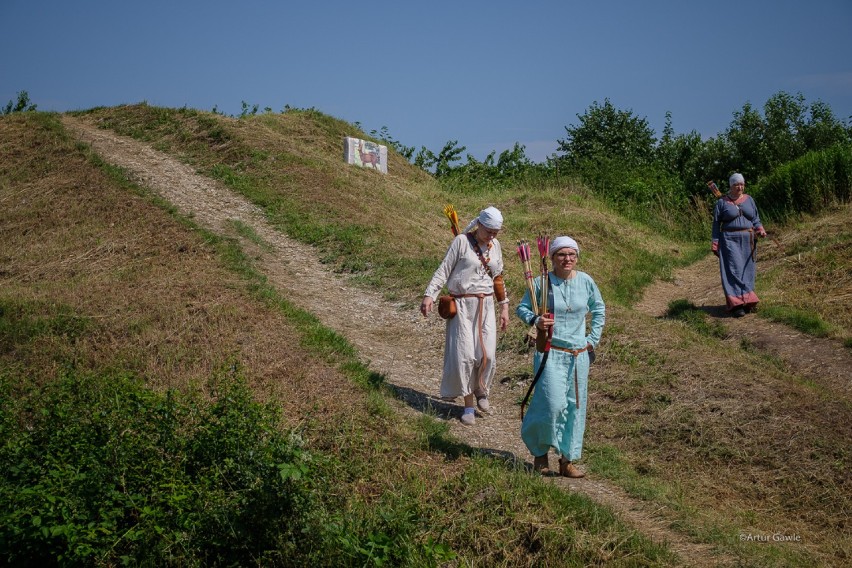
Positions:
{"x": 365, "y": 154}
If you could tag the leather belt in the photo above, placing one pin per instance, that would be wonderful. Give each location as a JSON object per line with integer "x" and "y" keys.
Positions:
{"x": 573, "y": 352}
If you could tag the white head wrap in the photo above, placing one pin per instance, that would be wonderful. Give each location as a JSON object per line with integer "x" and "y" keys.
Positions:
{"x": 736, "y": 178}
{"x": 490, "y": 218}
{"x": 561, "y": 243}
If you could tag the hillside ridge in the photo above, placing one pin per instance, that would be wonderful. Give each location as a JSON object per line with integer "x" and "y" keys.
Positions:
{"x": 395, "y": 341}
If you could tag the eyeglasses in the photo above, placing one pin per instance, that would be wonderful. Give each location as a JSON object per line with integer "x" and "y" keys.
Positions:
{"x": 564, "y": 255}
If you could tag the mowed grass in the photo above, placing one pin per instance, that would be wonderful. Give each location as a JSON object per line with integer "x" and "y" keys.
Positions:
{"x": 101, "y": 279}
{"x": 389, "y": 230}
{"x": 724, "y": 442}
{"x": 808, "y": 282}
{"x": 646, "y": 364}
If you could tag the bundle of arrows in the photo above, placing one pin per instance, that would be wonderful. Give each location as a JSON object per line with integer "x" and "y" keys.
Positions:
{"x": 524, "y": 256}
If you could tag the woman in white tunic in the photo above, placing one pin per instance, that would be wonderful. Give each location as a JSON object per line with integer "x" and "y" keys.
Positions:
{"x": 557, "y": 411}
{"x": 472, "y": 271}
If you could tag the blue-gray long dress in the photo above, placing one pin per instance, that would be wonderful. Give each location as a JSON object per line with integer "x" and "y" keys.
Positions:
{"x": 734, "y": 226}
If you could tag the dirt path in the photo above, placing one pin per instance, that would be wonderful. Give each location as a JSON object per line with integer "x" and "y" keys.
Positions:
{"x": 824, "y": 361}
{"x": 396, "y": 342}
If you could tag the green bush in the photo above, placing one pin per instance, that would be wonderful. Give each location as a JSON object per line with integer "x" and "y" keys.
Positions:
{"x": 809, "y": 184}
{"x": 101, "y": 470}
{"x": 649, "y": 195}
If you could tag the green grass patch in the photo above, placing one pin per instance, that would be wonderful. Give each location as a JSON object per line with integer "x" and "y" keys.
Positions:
{"x": 696, "y": 318}
{"x": 806, "y": 322}
{"x": 250, "y": 234}
{"x": 607, "y": 461}
{"x": 22, "y": 322}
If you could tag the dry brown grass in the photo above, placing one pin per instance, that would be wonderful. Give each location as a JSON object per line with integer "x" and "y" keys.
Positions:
{"x": 160, "y": 304}
{"x": 812, "y": 268}
{"x": 736, "y": 441}
{"x": 742, "y": 442}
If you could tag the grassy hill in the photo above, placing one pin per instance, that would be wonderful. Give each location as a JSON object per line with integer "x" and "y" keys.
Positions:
{"x": 101, "y": 280}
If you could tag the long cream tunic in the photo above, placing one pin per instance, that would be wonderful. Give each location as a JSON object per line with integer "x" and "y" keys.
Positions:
{"x": 471, "y": 337}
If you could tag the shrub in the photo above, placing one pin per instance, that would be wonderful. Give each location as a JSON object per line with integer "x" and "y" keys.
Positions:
{"x": 22, "y": 104}
{"x": 101, "y": 470}
{"x": 809, "y": 184}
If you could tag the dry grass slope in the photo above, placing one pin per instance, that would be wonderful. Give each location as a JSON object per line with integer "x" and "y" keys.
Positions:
{"x": 154, "y": 298}
{"x": 724, "y": 442}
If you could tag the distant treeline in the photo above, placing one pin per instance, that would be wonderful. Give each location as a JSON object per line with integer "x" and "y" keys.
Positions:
{"x": 795, "y": 157}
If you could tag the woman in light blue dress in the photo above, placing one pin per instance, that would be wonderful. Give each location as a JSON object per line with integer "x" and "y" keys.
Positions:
{"x": 557, "y": 412}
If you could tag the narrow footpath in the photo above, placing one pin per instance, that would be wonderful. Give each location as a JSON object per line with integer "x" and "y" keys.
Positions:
{"x": 394, "y": 341}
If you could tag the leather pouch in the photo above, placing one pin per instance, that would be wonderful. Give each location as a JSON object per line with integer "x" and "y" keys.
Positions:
{"x": 447, "y": 307}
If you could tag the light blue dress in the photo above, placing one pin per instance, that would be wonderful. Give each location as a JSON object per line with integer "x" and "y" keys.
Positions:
{"x": 555, "y": 419}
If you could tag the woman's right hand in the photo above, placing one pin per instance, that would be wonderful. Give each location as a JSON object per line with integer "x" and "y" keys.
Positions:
{"x": 544, "y": 322}
{"x": 426, "y": 305}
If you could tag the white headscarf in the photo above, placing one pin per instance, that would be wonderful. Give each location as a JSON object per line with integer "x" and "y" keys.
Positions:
{"x": 490, "y": 218}
{"x": 736, "y": 178}
{"x": 561, "y": 243}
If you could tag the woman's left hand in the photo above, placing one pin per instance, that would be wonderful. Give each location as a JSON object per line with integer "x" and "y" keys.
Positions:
{"x": 504, "y": 316}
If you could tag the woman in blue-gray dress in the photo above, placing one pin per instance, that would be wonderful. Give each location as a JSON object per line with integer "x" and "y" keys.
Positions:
{"x": 736, "y": 226}
{"x": 557, "y": 413}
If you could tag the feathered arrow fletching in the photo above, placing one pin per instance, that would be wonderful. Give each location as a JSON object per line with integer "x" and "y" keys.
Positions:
{"x": 451, "y": 214}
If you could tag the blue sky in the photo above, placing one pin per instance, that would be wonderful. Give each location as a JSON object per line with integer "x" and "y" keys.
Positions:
{"x": 485, "y": 73}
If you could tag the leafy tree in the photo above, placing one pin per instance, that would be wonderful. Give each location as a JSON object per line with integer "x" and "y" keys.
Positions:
{"x": 689, "y": 158}
{"x": 21, "y": 105}
{"x": 425, "y": 159}
{"x": 606, "y": 132}
{"x": 823, "y": 130}
{"x": 665, "y": 147}
{"x": 715, "y": 162}
{"x": 785, "y": 122}
{"x": 747, "y": 138}
{"x": 513, "y": 161}
{"x": 442, "y": 161}
{"x": 384, "y": 135}
{"x": 788, "y": 129}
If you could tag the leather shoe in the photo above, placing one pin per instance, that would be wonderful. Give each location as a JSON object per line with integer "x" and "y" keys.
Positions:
{"x": 568, "y": 469}
{"x": 541, "y": 465}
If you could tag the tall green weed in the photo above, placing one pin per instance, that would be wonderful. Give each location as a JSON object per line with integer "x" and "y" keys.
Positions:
{"x": 810, "y": 184}
{"x": 649, "y": 195}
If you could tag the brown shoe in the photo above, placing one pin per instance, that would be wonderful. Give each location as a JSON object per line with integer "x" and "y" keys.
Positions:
{"x": 568, "y": 469}
{"x": 541, "y": 465}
